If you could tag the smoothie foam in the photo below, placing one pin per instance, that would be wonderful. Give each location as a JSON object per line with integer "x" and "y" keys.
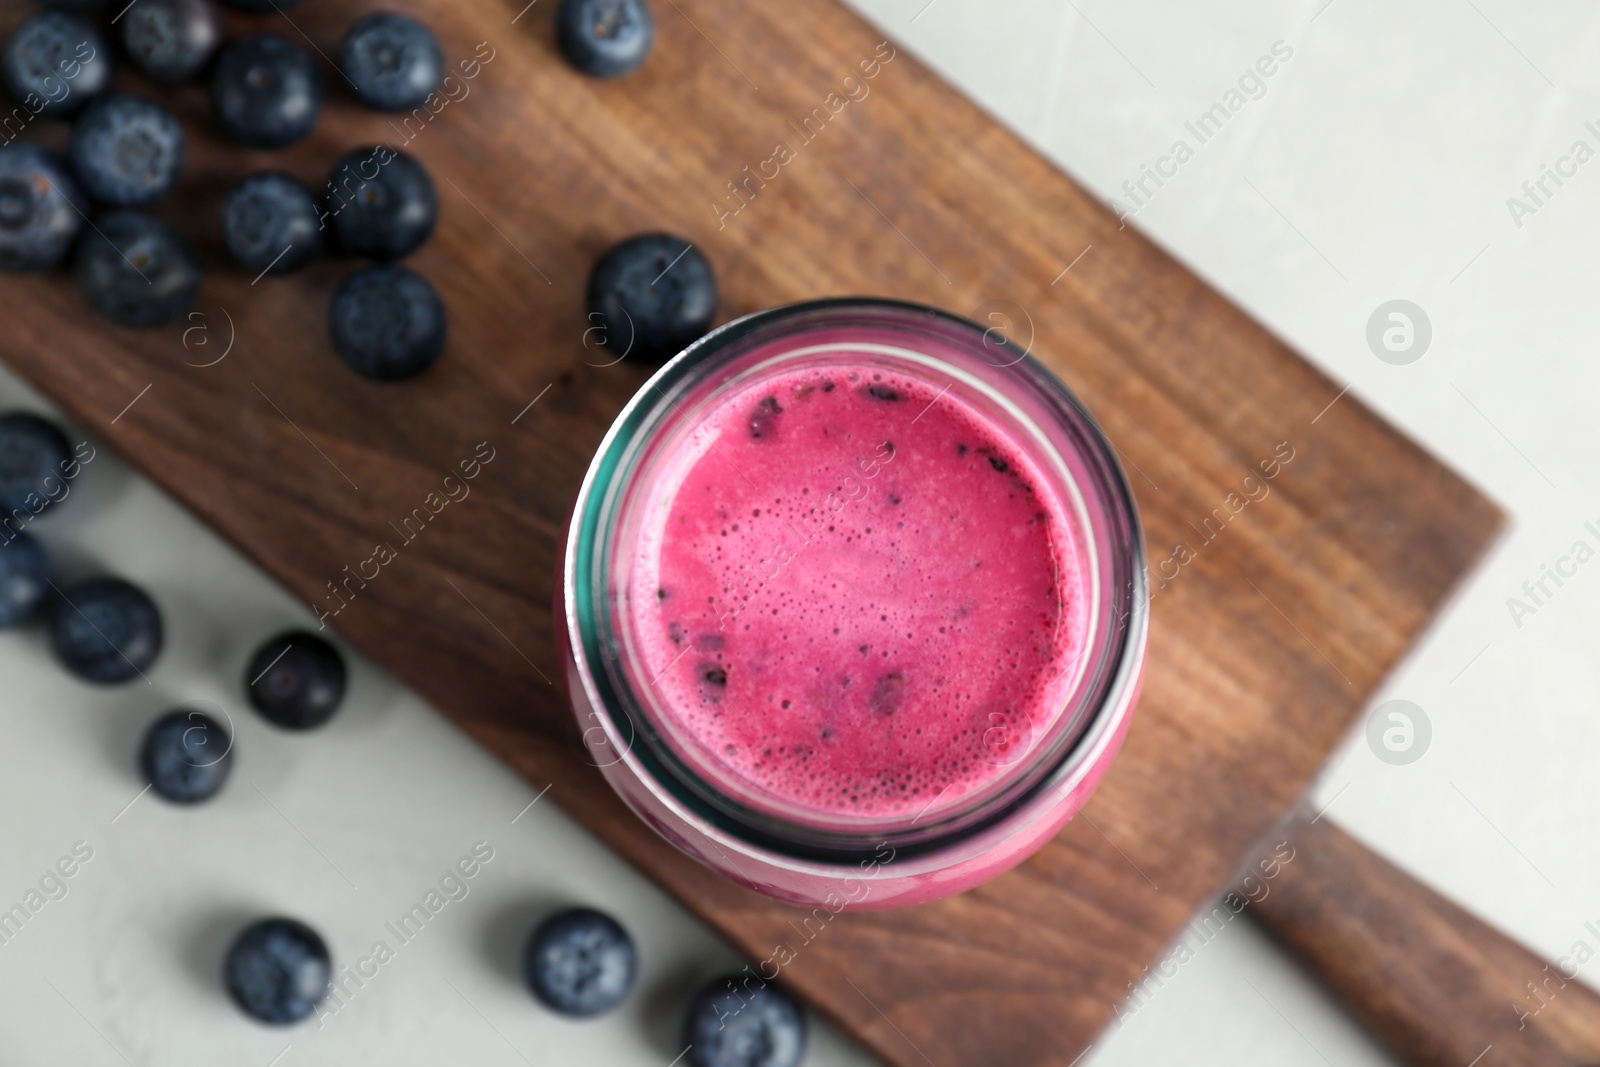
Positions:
{"x": 855, "y": 595}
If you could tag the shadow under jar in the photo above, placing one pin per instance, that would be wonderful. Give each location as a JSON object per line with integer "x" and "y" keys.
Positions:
{"x": 853, "y": 603}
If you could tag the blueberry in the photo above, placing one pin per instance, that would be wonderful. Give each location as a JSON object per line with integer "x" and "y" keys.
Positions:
{"x": 382, "y": 202}
{"x": 126, "y": 151}
{"x": 261, "y": 7}
{"x": 55, "y": 63}
{"x": 392, "y": 61}
{"x": 24, "y": 579}
{"x": 605, "y": 38}
{"x": 730, "y": 1024}
{"x": 266, "y": 92}
{"x": 33, "y": 457}
{"x": 172, "y": 40}
{"x": 271, "y": 221}
{"x": 296, "y": 680}
{"x": 278, "y": 971}
{"x": 186, "y": 756}
{"x": 580, "y": 962}
{"x": 136, "y": 270}
{"x": 652, "y": 296}
{"x": 106, "y": 631}
{"x": 40, "y": 209}
{"x": 387, "y": 323}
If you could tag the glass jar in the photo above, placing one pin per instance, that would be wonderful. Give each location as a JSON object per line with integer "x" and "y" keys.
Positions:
{"x": 1039, "y": 773}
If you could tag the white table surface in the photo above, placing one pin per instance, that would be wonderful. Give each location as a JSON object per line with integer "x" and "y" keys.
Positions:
{"x": 1375, "y": 166}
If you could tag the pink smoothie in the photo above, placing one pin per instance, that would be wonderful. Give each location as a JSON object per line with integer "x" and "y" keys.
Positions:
{"x": 855, "y": 595}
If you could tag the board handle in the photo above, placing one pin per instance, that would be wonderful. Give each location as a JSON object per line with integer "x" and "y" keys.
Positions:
{"x": 1437, "y": 986}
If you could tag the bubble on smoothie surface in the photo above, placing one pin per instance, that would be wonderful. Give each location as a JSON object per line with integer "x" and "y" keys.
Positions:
{"x": 879, "y": 590}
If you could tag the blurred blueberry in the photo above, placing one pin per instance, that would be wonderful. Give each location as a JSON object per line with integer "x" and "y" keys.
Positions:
{"x": 296, "y": 680}
{"x": 265, "y": 91}
{"x": 262, "y": 7}
{"x": 33, "y": 458}
{"x": 126, "y": 151}
{"x": 136, "y": 270}
{"x": 382, "y": 203}
{"x": 387, "y": 323}
{"x": 651, "y": 296}
{"x": 25, "y": 575}
{"x": 55, "y": 63}
{"x": 393, "y": 61}
{"x": 730, "y": 1024}
{"x": 40, "y": 209}
{"x": 186, "y": 756}
{"x": 106, "y": 631}
{"x": 172, "y": 40}
{"x": 580, "y": 962}
{"x": 605, "y": 38}
{"x": 271, "y": 221}
{"x": 278, "y": 971}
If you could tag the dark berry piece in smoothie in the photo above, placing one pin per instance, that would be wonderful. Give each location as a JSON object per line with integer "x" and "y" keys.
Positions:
{"x": 186, "y": 756}
{"x": 172, "y": 40}
{"x": 278, "y": 971}
{"x": 393, "y": 61}
{"x": 741, "y": 1022}
{"x": 33, "y": 457}
{"x": 765, "y": 417}
{"x": 652, "y": 296}
{"x": 296, "y": 680}
{"x": 270, "y": 222}
{"x": 580, "y": 962}
{"x": 136, "y": 270}
{"x": 40, "y": 209}
{"x": 387, "y": 323}
{"x": 605, "y": 38}
{"x": 266, "y": 91}
{"x": 126, "y": 151}
{"x": 25, "y": 575}
{"x": 883, "y": 393}
{"x": 106, "y": 631}
{"x": 55, "y": 63}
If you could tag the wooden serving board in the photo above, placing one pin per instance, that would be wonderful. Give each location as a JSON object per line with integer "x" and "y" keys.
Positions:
{"x": 1262, "y": 648}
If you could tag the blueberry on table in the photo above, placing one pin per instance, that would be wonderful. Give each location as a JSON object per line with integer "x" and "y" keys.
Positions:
{"x": 651, "y": 296}
{"x": 296, "y": 680}
{"x": 387, "y": 323}
{"x": 278, "y": 971}
{"x": 186, "y": 756}
{"x": 126, "y": 151}
{"x": 55, "y": 63}
{"x": 393, "y": 61}
{"x": 382, "y": 203}
{"x": 24, "y": 579}
{"x": 738, "y": 1022}
{"x": 580, "y": 962}
{"x": 106, "y": 631}
{"x": 261, "y": 7}
{"x": 271, "y": 222}
{"x": 172, "y": 40}
{"x": 605, "y": 38}
{"x": 265, "y": 91}
{"x": 136, "y": 270}
{"x": 33, "y": 458}
{"x": 40, "y": 209}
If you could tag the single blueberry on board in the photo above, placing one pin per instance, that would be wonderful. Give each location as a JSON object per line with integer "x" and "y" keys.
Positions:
{"x": 278, "y": 971}
{"x": 296, "y": 680}
{"x": 106, "y": 631}
{"x": 126, "y": 151}
{"x": 580, "y": 962}
{"x": 270, "y": 222}
{"x": 186, "y": 756}
{"x": 40, "y": 209}
{"x": 172, "y": 40}
{"x": 605, "y": 38}
{"x": 55, "y": 63}
{"x": 136, "y": 270}
{"x": 34, "y": 458}
{"x": 262, "y": 7}
{"x": 382, "y": 203}
{"x": 387, "y": 323}
{"x": 266, "y": 91}
{"x": 741, "y": 1022}
{"x": 25, "y": 575}
{"x": 392, "y": 60}
{"x": 651, "y": 296}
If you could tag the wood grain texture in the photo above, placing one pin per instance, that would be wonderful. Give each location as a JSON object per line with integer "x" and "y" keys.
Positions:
{"x": 1435, "y": 984}
{"x": 1262, "y": 646}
